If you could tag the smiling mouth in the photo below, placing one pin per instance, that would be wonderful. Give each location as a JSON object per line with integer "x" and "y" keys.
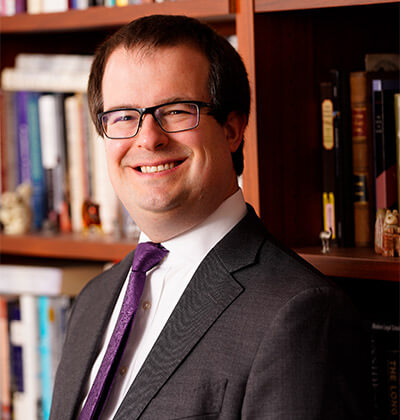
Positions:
{"x": 158, "y": 168}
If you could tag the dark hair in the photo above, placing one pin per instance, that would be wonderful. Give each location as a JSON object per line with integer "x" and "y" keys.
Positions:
{"x": 228, "y": 83}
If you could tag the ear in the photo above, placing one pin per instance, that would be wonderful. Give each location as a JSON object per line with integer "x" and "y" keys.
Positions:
{"x": 234, "y": 129}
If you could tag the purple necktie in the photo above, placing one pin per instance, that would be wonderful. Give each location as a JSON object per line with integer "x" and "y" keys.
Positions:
{"x": 147, "y": 255}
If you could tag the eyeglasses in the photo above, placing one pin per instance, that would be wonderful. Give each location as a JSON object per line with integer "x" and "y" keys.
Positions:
{"x": 172, "y": 117}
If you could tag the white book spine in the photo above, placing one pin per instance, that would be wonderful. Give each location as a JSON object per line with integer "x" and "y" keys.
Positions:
{"x": 30, "y": 356}
{"x": 104, "y": 193}
{"x": 75, "y": 160}
{"x": 34, "y": 7}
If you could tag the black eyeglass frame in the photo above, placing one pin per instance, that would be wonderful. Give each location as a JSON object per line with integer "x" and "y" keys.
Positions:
{"x": 151, "y": 110}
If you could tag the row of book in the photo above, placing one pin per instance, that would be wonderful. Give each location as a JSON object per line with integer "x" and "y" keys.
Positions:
{"x": 34, "y": 307}
{"x": 13, "y": 7}
{"x": 49, "y": 142}
{"x": 360, "y": 126}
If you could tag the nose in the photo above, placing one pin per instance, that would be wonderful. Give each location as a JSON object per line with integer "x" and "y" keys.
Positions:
{"x": 150, "y": 135}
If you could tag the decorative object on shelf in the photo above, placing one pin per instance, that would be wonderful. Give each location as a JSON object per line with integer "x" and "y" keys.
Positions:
{"x": 387, "y": 233}
{"x": 391, "y": 233}
{"x": 15, "y": 211}
{"x": 91, "y": 217}
{"x": 325, "y": 237}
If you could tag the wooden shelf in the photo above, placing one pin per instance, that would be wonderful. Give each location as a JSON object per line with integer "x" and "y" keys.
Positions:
{"x": 262, "y": 6}
{"x": 71, "y": 246}
{"x": 360, "y": 263}
{"x": 103, "y": 17}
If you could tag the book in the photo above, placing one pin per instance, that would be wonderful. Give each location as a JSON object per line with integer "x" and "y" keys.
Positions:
{"x": 384, "y": 87}
{"x": 36, "y": 167}
{"x": 8, "y": 143}
{"x": 20, "y": 6}
{"x": 397, "y": 126}
{"x": 34, "y": 7}
{"x": 362, "y": 170}
{"x": 385, "y": 359}
{"x": 103, "y": 192}
{"x": 23, "y": 154}
{"x": 52, "y": 130}
{"x": 52, "y": 316}
{"x": 16, "y": 365}
{"x": 328, "y": 160}
{"x": 48, "y": 73}
{"x": 5, "y": 382}
{"x": 48, "y": 280}
{"x": 75, "y": 158}
{"x": 337, "y": 158}
{"x": 29, "y": 399}
{"x": 50, "y": 6}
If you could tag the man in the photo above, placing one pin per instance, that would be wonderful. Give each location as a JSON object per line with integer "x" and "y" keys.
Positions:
{"x": 230, "y": 324}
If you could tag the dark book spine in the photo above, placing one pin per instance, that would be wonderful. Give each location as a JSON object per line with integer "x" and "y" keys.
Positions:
{"x": 362, "y": 176}
{"x": 328, "y": 160}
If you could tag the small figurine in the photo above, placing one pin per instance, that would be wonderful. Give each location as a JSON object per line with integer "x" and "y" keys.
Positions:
{"x": 15, "y": 211}
{"x": 390, "y": 232}
{"x": 325, "y": 237}
{"x": 91, "y": 217}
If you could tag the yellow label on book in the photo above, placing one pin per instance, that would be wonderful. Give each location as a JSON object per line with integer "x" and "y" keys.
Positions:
{"x": 328, "y": 205}
{"x": 327, "y": 124}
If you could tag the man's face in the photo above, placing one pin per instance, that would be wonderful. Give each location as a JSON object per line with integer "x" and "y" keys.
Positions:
{"x": 194, "y": 168}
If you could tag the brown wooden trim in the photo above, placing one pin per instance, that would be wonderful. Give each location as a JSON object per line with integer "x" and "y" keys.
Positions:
{"x": 360, "y": 263}
{"x": 102, "y": 17}
{"x": 71, "y": 246}
{"x": 245, "y": 33}
{"x": 262, "y": 6}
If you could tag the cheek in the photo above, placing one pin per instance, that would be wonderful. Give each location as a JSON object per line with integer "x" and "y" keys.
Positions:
{"x": 115, "y": 151}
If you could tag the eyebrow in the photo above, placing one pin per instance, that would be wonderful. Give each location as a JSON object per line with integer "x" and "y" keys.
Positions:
{"x": 164, "y": 101}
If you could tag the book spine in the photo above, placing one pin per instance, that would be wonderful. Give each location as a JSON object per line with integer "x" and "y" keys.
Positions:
{"x": 4, "y": 362}
{"x": 16, "y": 358}
{"x": 75, "y": 160}
{"x": 328, "y": 160}
{"x": 37, "y": 173}
{"x": 31, "y": 396}
{"x": 20, "y": 6}
{"x": 24, "y": 170}
{"x": 45, "y": 354}
{"x": 34, "y": 6}
{"x": 397, "y": 127}
{"x": 384, "y": 142}
{"x": 52, "y": 137}
{"x": 343, "y": 158}
{"x": 361, "y": 166}
{"x": 385, "y": 370}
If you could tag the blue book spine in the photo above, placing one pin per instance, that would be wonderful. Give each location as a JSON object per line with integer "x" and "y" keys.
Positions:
{"x": 36, "y": 167}
{"x": 45, "y": 354}
{"x": 24, "y": 171}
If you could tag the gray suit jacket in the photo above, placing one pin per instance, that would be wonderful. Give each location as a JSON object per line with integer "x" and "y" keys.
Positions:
{"x": 257, "y": 334}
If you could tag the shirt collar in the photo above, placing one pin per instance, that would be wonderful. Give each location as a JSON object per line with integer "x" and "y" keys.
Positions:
{"x": 192, "y": 246}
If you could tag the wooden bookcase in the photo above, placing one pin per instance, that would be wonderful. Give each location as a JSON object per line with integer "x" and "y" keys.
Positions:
{"x": 287, "y": 46}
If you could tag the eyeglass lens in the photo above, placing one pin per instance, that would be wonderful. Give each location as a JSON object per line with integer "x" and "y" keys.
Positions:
{"x": 171, "y": 118}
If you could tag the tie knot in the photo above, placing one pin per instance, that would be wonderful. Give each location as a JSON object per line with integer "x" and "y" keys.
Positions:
{"x": 147, "y": 255}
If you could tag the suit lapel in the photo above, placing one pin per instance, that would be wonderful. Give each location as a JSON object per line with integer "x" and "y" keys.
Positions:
{"x": 90, "y": 324}
{"x": 211, "y": 290}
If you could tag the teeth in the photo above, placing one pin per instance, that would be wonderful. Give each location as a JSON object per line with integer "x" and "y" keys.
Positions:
{"x": 159, "y": 168}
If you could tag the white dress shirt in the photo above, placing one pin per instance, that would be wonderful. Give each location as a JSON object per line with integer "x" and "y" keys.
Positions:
{"x": 164, "y": 286}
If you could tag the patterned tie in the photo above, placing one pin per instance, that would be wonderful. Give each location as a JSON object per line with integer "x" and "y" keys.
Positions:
{"x": 147, "y": 255}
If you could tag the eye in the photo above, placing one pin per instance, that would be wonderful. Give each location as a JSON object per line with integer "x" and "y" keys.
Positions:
{"x": 121, "y": 117}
